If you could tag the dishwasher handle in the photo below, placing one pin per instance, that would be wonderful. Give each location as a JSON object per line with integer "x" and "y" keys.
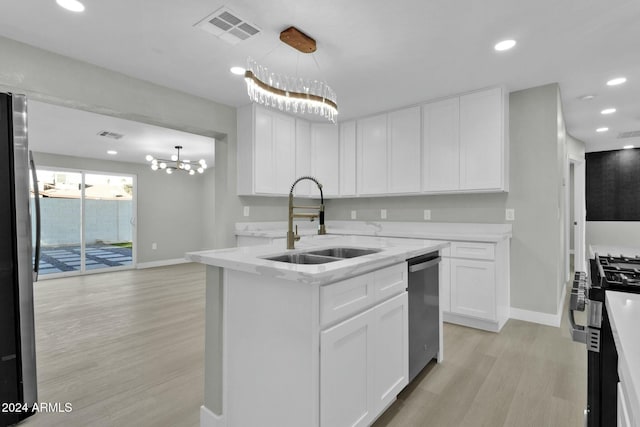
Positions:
{"x": 424, "y": 265}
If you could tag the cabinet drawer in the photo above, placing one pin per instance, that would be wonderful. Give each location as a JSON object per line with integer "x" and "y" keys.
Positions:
{"x": 473, "y": 250}
{"x": 390, "y": 281}
{"x": 343, "y": 299}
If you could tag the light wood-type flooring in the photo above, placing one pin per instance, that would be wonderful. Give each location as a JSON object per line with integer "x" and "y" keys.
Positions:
{"x": 127, "y": 349}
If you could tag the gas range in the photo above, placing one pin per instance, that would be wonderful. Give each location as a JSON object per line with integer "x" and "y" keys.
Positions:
{"x": 607, "y": 273}
{"x": 618, "y": 273}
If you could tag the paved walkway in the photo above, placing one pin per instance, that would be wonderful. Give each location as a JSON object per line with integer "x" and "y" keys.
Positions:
{"x": 59, "y": 259}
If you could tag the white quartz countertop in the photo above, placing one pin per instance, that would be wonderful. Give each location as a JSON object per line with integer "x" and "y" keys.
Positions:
{"x": 624, "y": 315}
{"x": 416, "y": 230}
{"x": 251, "y": 258}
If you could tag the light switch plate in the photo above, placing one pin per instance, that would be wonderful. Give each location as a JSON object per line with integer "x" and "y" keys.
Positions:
{"x": 245, "y": 211}
{"x": 510, "y": 214}
{"x": 354, "y": 215}
{"x": 383, "y": 214}
{"x": 427, "y": 214}
{"x": 154, "y": 246}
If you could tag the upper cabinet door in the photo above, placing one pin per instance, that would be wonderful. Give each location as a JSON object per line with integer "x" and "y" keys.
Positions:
{"x": 348, "y": 158}
{"x": 372, "y": 155}
{"x": 404, "y": 151}
{"x": 482, "y": 131}
{"x": 303, "y": 158}
{"x": 284, "y": 147}
{"x": 441, "y": 151}
{"x": 325, "y": 158}
{"x": 264, "y": 155}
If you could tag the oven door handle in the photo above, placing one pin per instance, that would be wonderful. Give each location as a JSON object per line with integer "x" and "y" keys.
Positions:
{"x": 578, "y": 332}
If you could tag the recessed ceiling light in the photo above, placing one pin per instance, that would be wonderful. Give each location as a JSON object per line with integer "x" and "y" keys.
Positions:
{"x": 587, "y": 97}
{"x": 616, "y": 81}
{"x": 626, "y": 147}
{"x": 608, "y": 111}
{"x": 238, "y": 71}
{"x": 72, "y": 5}
{"x": 112, "y": 152}
{"x": 504, "y": 45}
{"x": 602, "y": 129}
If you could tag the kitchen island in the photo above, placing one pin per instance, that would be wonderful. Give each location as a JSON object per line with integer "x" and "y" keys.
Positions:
{"x": 306, "y": 344}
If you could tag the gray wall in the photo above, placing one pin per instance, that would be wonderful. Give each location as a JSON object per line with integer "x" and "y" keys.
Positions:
{"x": 613, "y": 233}
{"x": 170, "y": 208}
{"x": 60, "y": 80}
{"x": 535, "y": 194}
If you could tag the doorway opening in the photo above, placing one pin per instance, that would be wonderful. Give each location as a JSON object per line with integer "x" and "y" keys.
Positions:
{"x": 88, "y": 221}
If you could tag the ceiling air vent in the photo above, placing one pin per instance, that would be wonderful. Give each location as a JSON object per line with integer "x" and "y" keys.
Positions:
{"x": 112, "y": 135}
{"x": 630, "y": 134}
{"x": 228, "y": 26}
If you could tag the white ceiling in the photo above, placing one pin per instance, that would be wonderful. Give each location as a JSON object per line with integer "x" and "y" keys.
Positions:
{"x": 61, "y": 130}
{"x": 377, "y": 55}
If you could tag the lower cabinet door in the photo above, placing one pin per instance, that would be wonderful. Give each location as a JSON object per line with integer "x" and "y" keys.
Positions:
{"x": 346, "y": 369}
{"x": 444, "y": 270}
{"x": 473, "y": 288}
{"x": 391, "y": 363}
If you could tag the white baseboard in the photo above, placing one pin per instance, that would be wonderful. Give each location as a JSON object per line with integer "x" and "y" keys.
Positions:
{"x": 209, "y": 419}
{"x": 537, "y": 317}
{"x": 161, "y": 263}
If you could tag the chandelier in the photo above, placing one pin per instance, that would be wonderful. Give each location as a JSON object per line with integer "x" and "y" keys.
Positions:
{"x": 291, "y": 94}
{"x": 177, "y": 164}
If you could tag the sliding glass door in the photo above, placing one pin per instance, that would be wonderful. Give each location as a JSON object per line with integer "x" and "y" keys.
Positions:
{"x": 88, "y": 221}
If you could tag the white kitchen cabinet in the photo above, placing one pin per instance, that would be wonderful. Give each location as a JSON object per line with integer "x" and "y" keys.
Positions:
{"x": 404, "y": 151}
{"x": 303, "y": 158}
{"x": 266, "y": 151}
{"x": 623, "y": 415}
{"x": 483, "y": 154}
{"x": 372, "y": 155}
{"x": 473, "y": 288}
{"x": 364, "y": 364}
{"x": 348, "y": 158}
{"x": 474, "y": 280}
{"x": 325, "y": 158}
{"x": 391, "y": 361}
{"x": 346, "y": 372}
{"x": 440, "y": 146}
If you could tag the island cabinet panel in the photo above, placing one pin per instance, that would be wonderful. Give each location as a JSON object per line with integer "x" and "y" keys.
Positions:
{"x": 404, "y": 151}
{"x": 348, "y": 158}
{"x": 346, "y": 372}
{"x": 482, "y": 148}
{"x": 391, "y": 351}
{"x": 372, "y": 155}
{"x": 325, "y": 158}
{"x": 266, "y": 151}
{"x": 441, "y": 146}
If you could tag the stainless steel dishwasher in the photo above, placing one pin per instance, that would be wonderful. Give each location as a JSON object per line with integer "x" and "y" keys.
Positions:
{"x": 424, "y": 306}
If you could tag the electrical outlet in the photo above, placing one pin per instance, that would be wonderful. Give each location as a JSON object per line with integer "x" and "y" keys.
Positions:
{"x": 154, "y": 246}
{"x": 427, "y": 214}
{"x": 354, "y": 215}
{"x": 383, "y": 214}
{"x": 245, "y": 211}
{"x": 510, "y": 214}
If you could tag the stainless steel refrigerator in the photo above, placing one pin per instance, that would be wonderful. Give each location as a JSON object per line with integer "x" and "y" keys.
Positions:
{"x": 17, "y": 259}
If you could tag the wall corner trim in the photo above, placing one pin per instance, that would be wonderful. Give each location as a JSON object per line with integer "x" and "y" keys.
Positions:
{"x": 161, "y": 263}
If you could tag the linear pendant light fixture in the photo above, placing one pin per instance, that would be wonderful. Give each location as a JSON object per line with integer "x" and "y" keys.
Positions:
{"x": 177, "y": 164}
{"x": 291, "y": 94}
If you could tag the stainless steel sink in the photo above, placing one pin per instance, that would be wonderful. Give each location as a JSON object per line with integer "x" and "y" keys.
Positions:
{"x": 322, "y": 256}
{"x": 303, "y": 258}
{"x": 344, "y": 252}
